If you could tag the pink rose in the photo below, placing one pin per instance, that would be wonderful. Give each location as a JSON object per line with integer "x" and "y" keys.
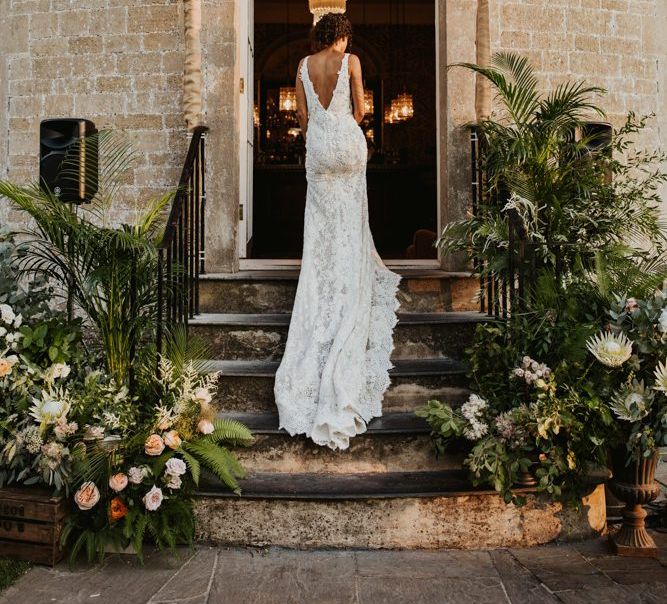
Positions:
{"x": 154, "y": 445}
{"x": 205, "y": 426}
{"x": 176, "y": 466}
{"x": 172, "y": 439}
{"x": 87, "y": 496}
{"x": 153, "y": 499}
{"x": 136, "y": 475}
{"x": 118, "y": 482}
{"x": 173, "y": 481}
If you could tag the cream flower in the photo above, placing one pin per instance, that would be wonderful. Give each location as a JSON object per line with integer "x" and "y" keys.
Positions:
{"x": 175, "y": 466}
{"x": 173, "y": 481}
{"x": 633, "y": 402}
{"x": 202, "y": 396}
{"x": 153, "y": 499}
{"x": 57, "y": 371}
{"x": 172, "y": 439}
{"x": 205, "y": 426}
{"x": 661, "y": 377}
{"x": 154, "y": 445}
{"x": 7, "y": 314}
{"x": 610, "y": 349}
{"x": 662, "y": 321}
{"x": 87, "y": 496}
{"x": 136, "y": 475}
{"x": 93, "y": 432}
{"x": 118, "y": 482}
{"x": 51, "y": 408}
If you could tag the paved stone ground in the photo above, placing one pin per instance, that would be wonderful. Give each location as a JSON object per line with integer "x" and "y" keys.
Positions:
{"x": 575, "y": 573}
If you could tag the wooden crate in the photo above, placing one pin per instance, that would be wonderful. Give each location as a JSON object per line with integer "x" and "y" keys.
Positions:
{"x": 31, "y": 520}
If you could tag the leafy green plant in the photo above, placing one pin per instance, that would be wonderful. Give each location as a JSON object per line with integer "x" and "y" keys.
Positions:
{"x": 107, "y": 273}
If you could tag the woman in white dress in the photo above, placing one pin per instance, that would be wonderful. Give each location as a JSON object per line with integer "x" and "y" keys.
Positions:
{"x": 334, "y": 373}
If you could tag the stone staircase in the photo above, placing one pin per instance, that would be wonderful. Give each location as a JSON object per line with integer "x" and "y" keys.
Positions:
{"x": 387, "y": 489}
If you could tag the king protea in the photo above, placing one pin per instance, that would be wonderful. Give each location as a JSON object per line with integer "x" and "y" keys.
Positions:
{"x": 610, "y": 349}
{"x": 661, "y": 377}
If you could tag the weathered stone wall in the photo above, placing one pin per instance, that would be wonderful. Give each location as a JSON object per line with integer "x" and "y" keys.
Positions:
{"x": 116, "y": 62}
{"x": 119, "y": 62}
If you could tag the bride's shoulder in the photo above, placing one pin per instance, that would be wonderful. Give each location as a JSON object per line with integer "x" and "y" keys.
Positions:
{"x": 354, "y": 62}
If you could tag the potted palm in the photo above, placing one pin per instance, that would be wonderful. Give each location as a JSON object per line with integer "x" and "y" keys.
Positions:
{"x": 633, "y": 377}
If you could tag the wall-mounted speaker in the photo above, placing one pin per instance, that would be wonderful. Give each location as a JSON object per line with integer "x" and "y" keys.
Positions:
{"x": 68, "y": 166}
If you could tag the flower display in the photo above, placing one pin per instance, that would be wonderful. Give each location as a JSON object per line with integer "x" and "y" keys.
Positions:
{"x": 153, "y": 499}
{"x": 57, "y": 371}
{"x": 93, "y": 432}
{"x": 202, "y": 396}
{"x": 610, "y": 349}
{"x": 117, "y": 509}
{"x": 172, "y": 439}
{"x": 7, "y": 365}
{"x": 7, "y": 315}
{"x": 176, "y": 466}
{"x": 136, "y": 475}
{"x": 173, "y": 481}
{"x": 205, "y": 426}
{"x": 633, "y": 402}
{"x": 473, "y": 411}
{"x": 118, "y": 482}
{"x": 661, "y": 377}
{"x": 87, "y": 496}
{"x": 51, "y": 407}
{"x": 154, "y": 445}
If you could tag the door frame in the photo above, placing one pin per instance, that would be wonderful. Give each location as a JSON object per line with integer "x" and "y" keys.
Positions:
{"x": 246, "y": 164}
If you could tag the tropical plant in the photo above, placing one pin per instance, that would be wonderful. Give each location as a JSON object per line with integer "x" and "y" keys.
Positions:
{"x": 575, "y": 212}
{"x": 107, "y": 273}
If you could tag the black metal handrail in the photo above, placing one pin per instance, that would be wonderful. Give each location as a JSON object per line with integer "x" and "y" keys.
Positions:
{"x": 181, "y": 253}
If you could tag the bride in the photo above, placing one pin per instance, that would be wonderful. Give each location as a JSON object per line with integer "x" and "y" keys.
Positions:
{"x": 335, "y": 369}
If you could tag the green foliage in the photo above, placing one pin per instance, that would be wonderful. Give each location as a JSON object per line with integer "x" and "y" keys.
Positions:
{"x": 11, "y": 571}
{"x": 447, "y": 425}
{"x": 219, "y": 460}
{"x": 107, "y": 273}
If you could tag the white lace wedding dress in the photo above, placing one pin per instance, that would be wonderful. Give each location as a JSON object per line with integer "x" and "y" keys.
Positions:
{"x": 335, "y": 369}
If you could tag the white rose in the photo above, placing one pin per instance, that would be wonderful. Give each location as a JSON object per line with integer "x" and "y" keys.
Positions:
{"x": 136, "y": 475}
{"x": 153, "y": 499}
{"x": 7, "y": 314}
{"x": 175, "y": 466}
{"x": 58, "y": 371}
{"x": 205, "y": 426}
{"x": 18, "y": 320}
{"x": 3, "y": 331}
{"x": 173, "y": 481}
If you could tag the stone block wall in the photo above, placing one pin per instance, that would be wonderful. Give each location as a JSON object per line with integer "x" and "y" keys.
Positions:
{"x": 116, "y": 62}
{"x": 120, "y": 62}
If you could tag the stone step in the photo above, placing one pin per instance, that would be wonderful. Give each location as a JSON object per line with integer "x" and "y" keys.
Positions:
{"x": 247, "y": 386}
{"x": 273, "y": 291}
{"x": 409, "y": 510}
{"x": 244, "y": 336}
{"x": 396, "y": 442}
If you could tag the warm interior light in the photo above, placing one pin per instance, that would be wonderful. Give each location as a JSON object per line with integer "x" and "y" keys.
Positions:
{"x": 287, "y": 100}
{"x": 322, "y": 7}
{"x": 369, "y": 104}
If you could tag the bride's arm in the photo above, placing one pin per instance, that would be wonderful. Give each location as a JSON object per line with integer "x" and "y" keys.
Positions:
{"x": 357, "y": 82}
{"x": 301, "y": 103}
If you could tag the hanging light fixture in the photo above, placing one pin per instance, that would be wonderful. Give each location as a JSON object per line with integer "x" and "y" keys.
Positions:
{"x": 404, "y": 106}
{"x": 287, "y": 98}
{"x": 322, "y": 7}
{"x": 255, "y": 115}
{"x": 369, "y": 104}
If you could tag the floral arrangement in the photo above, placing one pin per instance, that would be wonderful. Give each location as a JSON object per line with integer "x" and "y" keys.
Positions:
{"x": 551, "y": 434}
{"x": 129, "y": 454}
{"x": 631, "y": 352}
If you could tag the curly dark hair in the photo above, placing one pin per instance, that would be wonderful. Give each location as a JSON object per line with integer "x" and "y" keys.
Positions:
{"x": 329, "y": 29}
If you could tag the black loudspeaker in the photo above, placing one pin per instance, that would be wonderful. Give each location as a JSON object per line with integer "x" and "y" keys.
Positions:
{"x": 68, "y": 165}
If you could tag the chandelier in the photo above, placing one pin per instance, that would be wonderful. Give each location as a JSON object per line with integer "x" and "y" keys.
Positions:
{"x": 322, "y": 7}
{"x": 404, "y": 106}
{"x": 369, "y": 105}
{"x": 287, "y": 98}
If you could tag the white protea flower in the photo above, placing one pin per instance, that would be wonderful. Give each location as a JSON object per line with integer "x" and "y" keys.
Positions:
{"x": 661, "y": 377}
{"x": 51, "y": 408}
{"x": 610, "y": 349}
{"x": 633, "y": 402}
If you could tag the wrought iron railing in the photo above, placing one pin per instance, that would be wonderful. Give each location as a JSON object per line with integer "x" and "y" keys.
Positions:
{"x": 181, "y": 253}
{"x": 505, "y": 289}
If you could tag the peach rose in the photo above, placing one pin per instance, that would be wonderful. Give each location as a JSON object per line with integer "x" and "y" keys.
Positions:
{"x": 205, "y": 426}
{"x": 153, "y": 499}
{"x": 7, "y": 364}
{"x": 118, "y": 482}
{"x": 172, "y": 439}
{"x": 117, "y": 509}
{"x": 154, "y": 445}
{"x": 87, "y": 496}
{"x": 202, "y": 396}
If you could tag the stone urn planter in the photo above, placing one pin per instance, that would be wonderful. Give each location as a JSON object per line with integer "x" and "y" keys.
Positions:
{"x": 634, "y": 484}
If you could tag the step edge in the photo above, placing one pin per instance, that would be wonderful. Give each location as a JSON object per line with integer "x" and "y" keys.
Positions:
{"x": 293, "y": 275}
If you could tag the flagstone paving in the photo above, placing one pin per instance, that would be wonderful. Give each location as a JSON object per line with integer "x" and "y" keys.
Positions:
{"x": 571, "y": 574}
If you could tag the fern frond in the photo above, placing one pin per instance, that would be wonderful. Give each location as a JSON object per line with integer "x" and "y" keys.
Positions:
{"x": 218, "y": 460}
{"x": 230, "y": 431}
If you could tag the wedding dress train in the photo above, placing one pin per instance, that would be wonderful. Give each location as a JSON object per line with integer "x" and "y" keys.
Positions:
{"x": 335, "y": 369}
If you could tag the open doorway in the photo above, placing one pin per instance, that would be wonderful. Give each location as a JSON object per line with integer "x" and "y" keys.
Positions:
{"x": 396, "y": 42}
